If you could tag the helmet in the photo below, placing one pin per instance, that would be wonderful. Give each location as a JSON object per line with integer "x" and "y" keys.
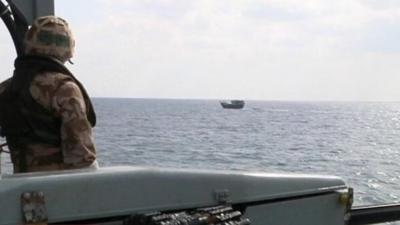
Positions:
{"x": 50, "y": 36}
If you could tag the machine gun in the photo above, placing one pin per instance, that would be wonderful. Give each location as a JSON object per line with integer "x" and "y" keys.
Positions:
{"x": 218, "y": 215}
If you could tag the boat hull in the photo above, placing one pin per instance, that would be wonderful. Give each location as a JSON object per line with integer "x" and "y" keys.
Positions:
{"x": 226, "y": 105}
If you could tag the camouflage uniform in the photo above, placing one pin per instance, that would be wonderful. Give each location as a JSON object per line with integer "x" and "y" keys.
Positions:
{"x": 60, "y": 95}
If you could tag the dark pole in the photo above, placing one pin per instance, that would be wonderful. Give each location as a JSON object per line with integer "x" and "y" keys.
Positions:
{"x": 9, "y": 21}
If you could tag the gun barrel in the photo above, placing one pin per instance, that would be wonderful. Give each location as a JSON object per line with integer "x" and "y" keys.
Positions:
{"x": 374, "y": 214}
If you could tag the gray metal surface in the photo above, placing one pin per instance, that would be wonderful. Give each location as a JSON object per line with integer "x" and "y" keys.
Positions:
{"x": 19, "y": 14}
{"x": 318, "y": 210}
{"x": 80, "y": 194}
{"x": 31, "y": 9}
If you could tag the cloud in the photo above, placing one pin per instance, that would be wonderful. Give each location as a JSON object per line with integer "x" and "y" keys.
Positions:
{"x": 270, "y": 49}
{"x": 381, "y": 5}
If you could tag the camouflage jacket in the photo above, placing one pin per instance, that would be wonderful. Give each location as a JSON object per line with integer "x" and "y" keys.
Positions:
{"x": 60, "y": 95}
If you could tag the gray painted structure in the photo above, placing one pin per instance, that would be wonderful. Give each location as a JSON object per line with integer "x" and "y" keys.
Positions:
{"x": 32, "y": 9}
{"x": 116, "y": 191}
{"x": 19, "y": 14}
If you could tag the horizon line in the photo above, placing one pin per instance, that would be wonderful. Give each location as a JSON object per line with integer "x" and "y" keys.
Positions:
{"x": 249, "y": 99}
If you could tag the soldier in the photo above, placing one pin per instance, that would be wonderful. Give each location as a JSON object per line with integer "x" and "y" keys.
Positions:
{"x": 45, "y": 113}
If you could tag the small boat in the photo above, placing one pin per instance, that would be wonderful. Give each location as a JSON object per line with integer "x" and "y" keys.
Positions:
{"x": 233, "y": 104}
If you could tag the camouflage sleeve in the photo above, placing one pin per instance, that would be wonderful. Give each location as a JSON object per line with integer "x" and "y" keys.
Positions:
{"x": 76, "y": 132}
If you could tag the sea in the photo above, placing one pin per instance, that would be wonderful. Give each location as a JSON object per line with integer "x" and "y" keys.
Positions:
{"x": 357, "y": 141}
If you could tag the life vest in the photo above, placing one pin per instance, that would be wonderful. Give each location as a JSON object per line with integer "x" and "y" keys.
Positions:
{"x": 22, "y": 119}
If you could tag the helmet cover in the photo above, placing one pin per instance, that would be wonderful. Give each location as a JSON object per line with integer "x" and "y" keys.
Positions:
{"x": 50, "y": 36}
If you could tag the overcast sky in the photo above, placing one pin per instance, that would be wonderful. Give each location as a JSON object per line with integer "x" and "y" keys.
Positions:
{"x": 249, "y": 49}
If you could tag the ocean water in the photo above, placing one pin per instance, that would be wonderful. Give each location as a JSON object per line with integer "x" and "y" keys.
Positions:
{"x": 358, "y": 141}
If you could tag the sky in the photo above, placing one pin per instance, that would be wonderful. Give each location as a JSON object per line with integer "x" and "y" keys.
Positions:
{"x": 286, "y": 50}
